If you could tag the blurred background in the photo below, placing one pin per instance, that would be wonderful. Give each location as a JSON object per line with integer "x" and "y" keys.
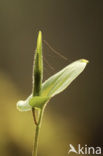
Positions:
{"x": 75, "y": 29}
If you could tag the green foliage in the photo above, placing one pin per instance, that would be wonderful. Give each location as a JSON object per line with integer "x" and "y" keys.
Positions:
{"x": 54, "y": 85}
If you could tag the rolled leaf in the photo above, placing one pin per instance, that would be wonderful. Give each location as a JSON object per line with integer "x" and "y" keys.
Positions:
{"x": 38, "y": 67}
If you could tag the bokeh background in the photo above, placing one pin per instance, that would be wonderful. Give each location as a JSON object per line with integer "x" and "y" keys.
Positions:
{"x": 75, "y": 29}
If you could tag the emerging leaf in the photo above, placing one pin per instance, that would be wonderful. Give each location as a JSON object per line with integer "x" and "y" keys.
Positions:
{"x": 38, "y": 67}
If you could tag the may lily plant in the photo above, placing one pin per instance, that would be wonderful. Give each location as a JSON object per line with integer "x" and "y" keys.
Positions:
{"x": 42, "y": 92}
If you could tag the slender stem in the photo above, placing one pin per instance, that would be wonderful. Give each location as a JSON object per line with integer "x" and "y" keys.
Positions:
{"x": 37, "y": 130}
{"x": 34, "y": 116}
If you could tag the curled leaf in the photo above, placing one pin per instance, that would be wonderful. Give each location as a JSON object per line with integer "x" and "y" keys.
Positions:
{"x": 24, "y": 105}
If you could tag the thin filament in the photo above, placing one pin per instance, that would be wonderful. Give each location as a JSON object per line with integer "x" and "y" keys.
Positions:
{"x": 48, "y": 63}
{"x": 56, "y": 52}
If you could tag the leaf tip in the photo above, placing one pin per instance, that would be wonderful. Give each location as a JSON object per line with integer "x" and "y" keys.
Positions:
{"x": 84, "y": 61}
{"x": 39, "y": 40}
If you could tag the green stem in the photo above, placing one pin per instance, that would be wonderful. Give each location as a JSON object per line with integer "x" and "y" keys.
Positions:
{"x": 37, "y": 130}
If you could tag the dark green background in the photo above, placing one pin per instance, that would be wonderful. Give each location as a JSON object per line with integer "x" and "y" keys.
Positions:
{"x": 73, "y": 27}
